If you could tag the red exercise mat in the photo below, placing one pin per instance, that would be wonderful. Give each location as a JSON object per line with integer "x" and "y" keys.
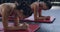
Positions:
{"x": 31, "y": 19}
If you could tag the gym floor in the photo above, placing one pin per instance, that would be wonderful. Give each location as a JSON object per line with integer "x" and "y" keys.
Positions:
{"x": 53, "y": 27}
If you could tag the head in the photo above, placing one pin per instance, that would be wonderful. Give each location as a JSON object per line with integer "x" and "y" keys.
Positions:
{"x": 45, "y": 5}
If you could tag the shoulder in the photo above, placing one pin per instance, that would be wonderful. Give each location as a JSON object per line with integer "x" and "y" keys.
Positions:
{"x": 35, "y": 3}
{"x": 8, "y": 4}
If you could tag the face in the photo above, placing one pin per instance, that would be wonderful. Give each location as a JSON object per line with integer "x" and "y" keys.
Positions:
{"x": 43, "y": 6}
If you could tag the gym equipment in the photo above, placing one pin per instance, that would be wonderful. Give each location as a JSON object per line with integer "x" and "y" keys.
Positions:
{"x": 31, "y": 19}
{"x": 32, "y": 28}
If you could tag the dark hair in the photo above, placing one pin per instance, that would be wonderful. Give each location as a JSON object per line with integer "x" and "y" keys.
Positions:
{"x": 27, "y": 11}
{"x": 48, "y": 4}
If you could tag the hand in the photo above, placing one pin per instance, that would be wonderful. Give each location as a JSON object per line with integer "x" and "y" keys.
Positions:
{"x": 43, "y": 18}
{"x": 13, "y": 28}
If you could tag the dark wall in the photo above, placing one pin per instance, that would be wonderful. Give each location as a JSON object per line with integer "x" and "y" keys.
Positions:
{"x": 51, "y": 0}
{"x": 6, "y": 1}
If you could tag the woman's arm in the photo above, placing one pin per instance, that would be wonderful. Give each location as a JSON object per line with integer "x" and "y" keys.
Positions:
{"x": 35, "y": 12}
{"x": 35, "y": 7}
{"x": 39, "y": 12}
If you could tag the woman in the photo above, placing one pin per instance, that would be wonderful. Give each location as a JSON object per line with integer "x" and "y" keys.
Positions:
{"x": 22, "y": 10}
